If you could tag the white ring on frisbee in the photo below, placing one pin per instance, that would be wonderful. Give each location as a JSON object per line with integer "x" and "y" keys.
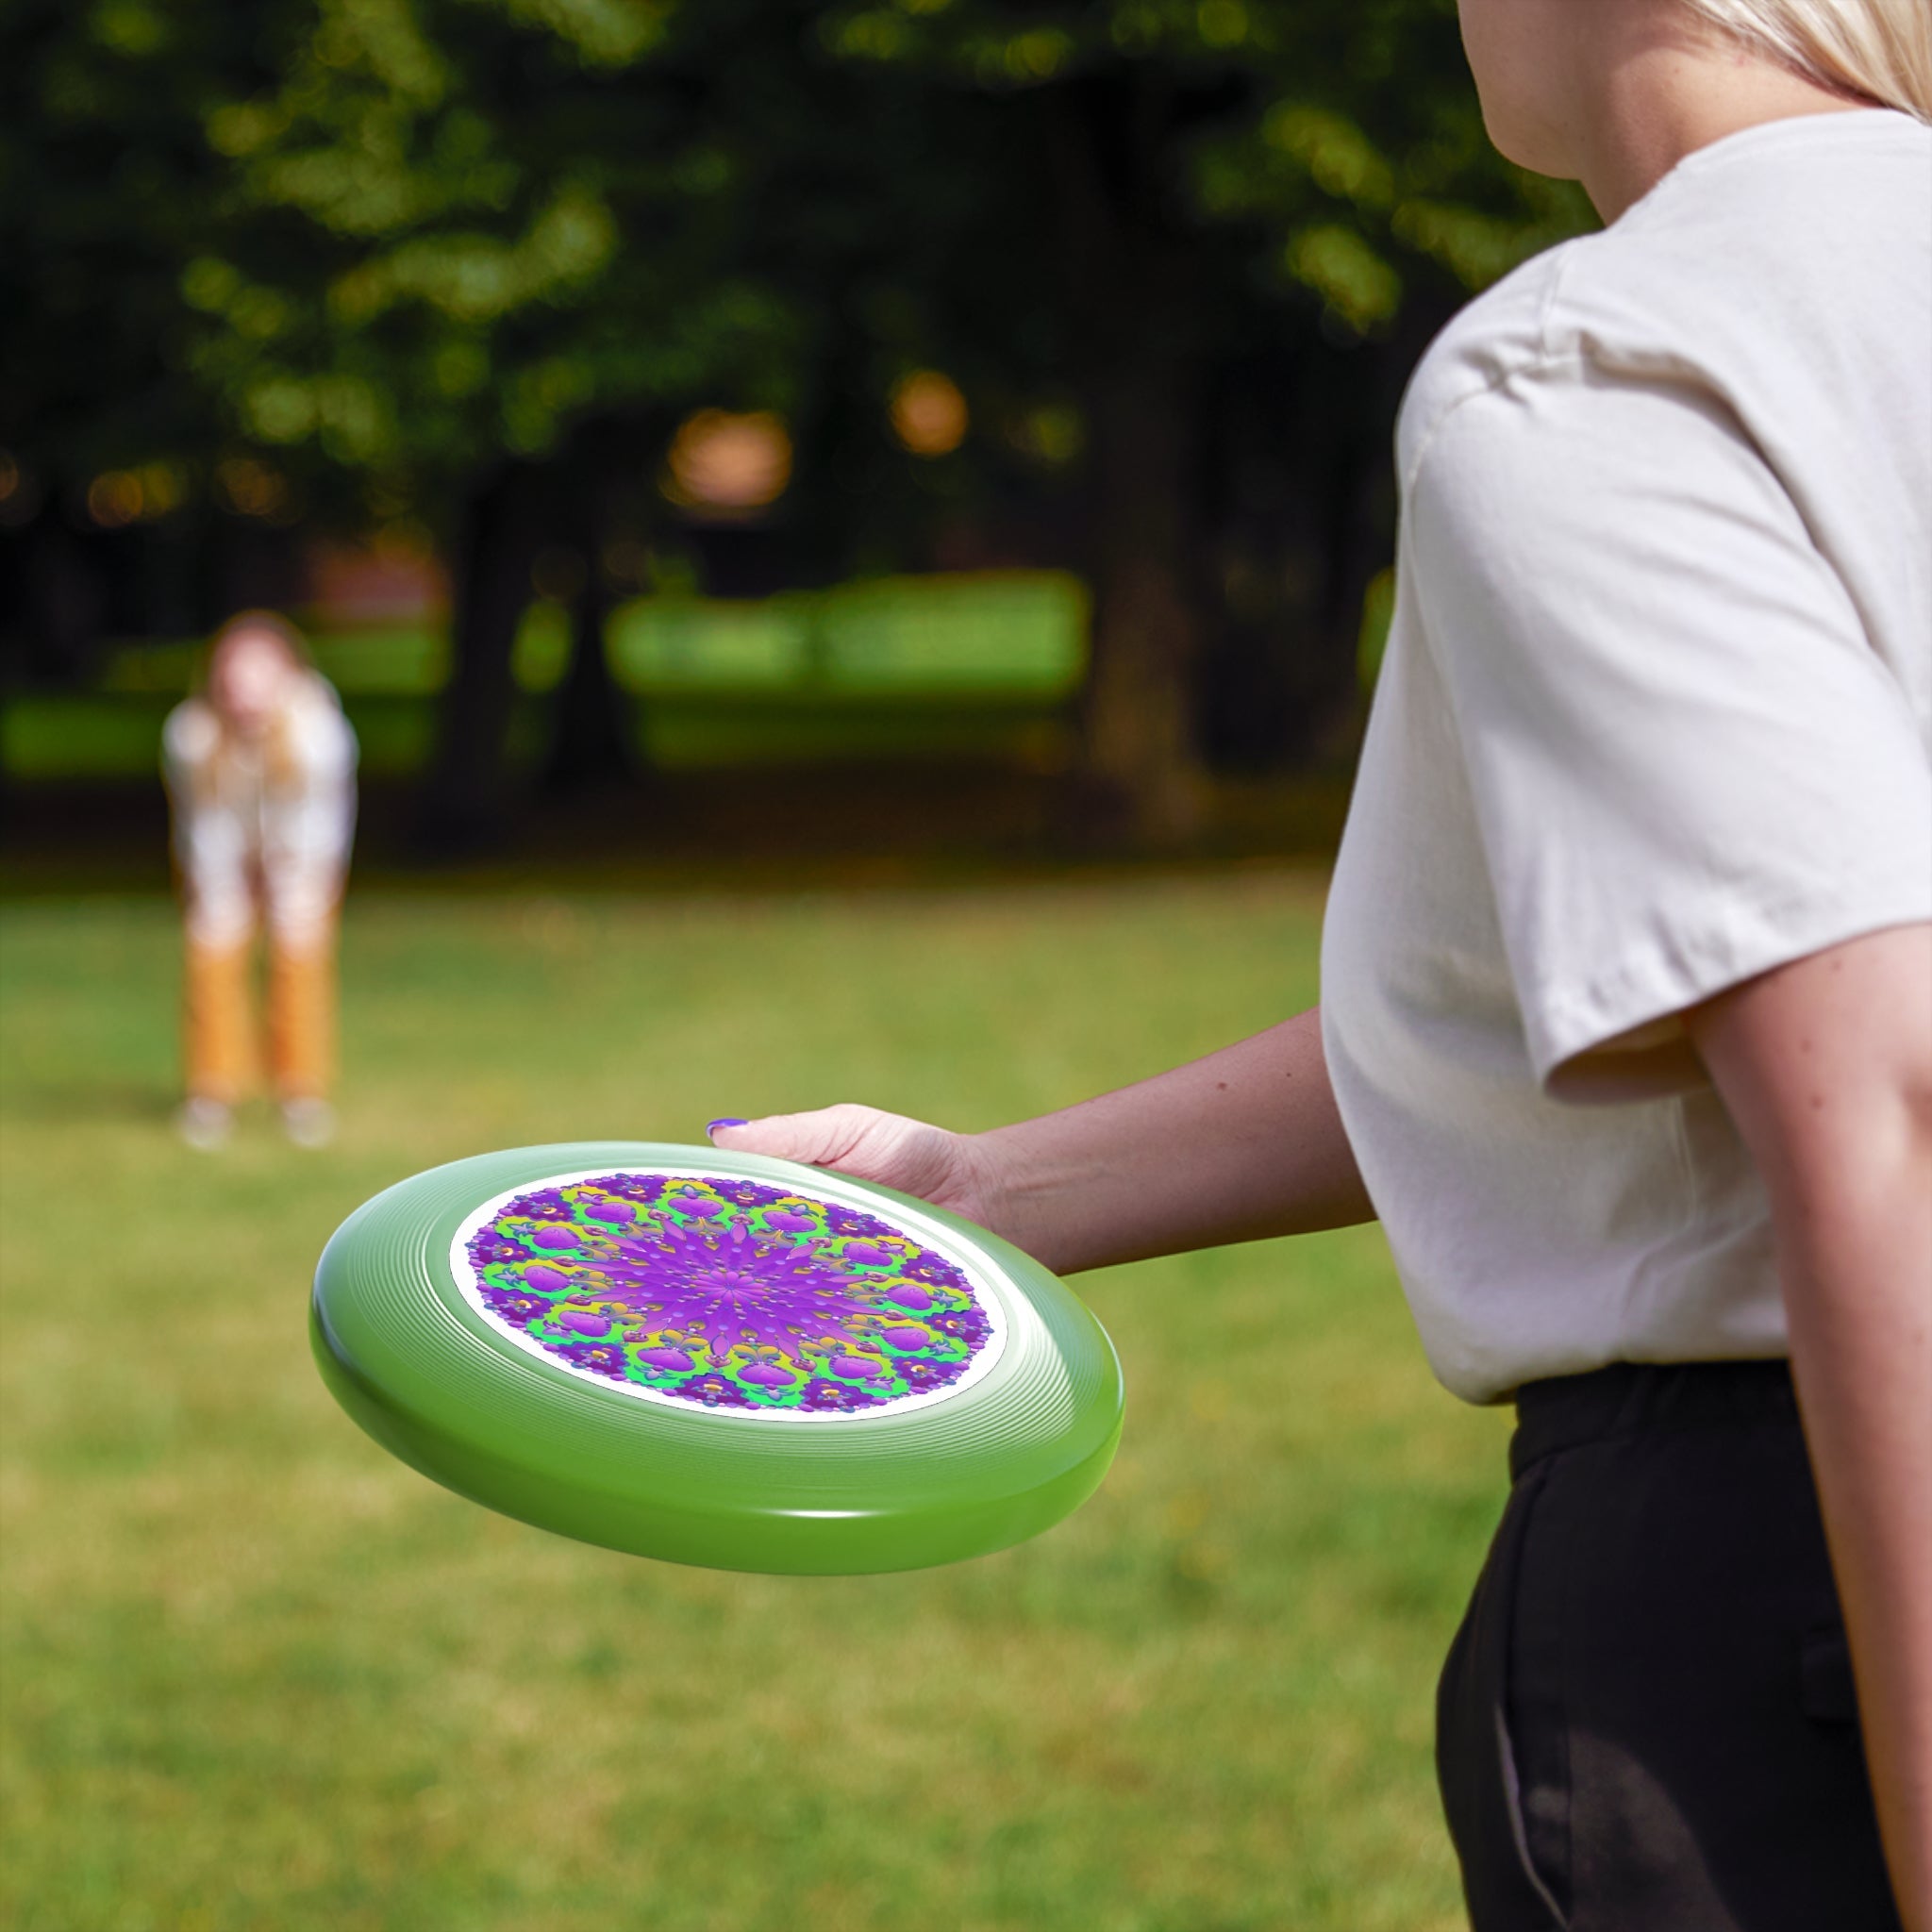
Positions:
{"x": 832, "y": 1188}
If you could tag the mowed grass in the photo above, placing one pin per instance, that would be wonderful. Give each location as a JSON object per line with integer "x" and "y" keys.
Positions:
{"x": 257, "y": 1675}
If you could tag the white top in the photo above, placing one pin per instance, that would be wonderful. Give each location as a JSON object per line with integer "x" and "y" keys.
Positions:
{"x": 1656, "y": 716}
{"x": 270, "y": 820}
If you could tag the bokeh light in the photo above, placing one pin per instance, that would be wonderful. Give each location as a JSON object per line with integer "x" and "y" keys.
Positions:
{"x": 1050, "y": 433}
{"x": 726, "y": 464}
{"x": 114, "y": 499}
{"x": 930, "y": 415}
{"x": 250, "y": 489}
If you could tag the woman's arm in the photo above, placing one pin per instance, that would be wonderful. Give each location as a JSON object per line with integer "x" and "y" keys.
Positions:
{"x": 1244, "y": 1145}
{"x": 1826, "y": 1068}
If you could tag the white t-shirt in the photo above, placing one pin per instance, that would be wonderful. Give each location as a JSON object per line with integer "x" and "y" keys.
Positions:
{"x": 1656, "y": 716}
{"x": 252, "y": 823}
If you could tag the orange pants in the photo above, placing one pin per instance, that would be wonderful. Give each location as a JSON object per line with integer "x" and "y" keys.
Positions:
{"x": 221, "y": 1046}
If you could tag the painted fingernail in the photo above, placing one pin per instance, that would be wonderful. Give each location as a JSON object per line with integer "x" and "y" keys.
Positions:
{"x": 712, "y": 1126}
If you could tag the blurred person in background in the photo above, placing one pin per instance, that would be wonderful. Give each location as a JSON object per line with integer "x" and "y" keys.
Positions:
{"x": 1626, "y": 1021}
{"x": 261, "y": 767}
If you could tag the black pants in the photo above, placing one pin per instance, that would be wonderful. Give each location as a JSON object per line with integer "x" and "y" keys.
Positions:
{"x": 1646, "y": 1721}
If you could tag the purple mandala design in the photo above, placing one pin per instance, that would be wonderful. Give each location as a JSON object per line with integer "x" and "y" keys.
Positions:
{"x": 729, "y": 1294}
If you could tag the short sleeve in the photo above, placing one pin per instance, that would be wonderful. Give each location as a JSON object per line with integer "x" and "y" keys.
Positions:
{"x": 321, "y": 738}
{"x": 188, "y": 741}
{"x": 1689, "y": 763}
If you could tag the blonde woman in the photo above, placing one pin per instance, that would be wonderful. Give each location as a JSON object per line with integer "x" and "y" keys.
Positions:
{"x": 1626, "y": 1032}
{"x": 260, "y": 770}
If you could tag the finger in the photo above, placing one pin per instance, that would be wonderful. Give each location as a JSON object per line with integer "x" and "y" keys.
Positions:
{"x": 818, "y": 1139}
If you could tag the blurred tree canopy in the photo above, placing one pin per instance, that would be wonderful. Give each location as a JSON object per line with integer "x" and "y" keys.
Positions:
{"x": 468, "y": 264}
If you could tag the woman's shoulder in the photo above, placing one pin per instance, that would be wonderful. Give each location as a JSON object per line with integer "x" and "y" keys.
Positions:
{"x": 319, "y": 733}
{"x": 1498, "y": 335}
{"x": 1595, "y": 307}
{"x": 1757, "y": 264}
{"x": 316, "y": 696}
{"x": 191, "y": 733}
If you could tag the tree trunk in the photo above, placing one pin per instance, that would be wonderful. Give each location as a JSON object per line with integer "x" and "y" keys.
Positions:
{"x": 63, "y": 601}
{"x": 1139, "y": 740}
{"x": 1133, "y": 303}
{"x": 590, "y": 742}
{"x": 593, "y": 745}
{"x": 466, "y": 799}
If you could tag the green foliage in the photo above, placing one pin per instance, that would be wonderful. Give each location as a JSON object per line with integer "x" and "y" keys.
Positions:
{"x": 498, "y": 239}
{"x": 256, "y": 1674}
{"x": 1347, "y": 133}
{"x": 107, "y": 189}
{"x": 395, "y": 239}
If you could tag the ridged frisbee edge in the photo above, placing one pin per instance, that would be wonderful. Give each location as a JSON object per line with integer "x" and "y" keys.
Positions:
{"x": 555, "y": 1484}
{"x": 786, "y": 1543}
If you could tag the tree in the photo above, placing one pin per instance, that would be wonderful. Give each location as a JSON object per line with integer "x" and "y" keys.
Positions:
{"x": 469, "y": 261}
{"x": 489, "y": 237}
{"x": 110, "y": 190}
{"x": 1218, "y": 200}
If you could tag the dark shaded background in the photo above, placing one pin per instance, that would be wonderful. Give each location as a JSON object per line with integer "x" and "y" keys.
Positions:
{"x": 389, "y": 314}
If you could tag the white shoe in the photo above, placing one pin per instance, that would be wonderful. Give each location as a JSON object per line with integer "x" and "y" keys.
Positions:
{"x": 308, "y": 1121}
{"x": 203, "y": 1124}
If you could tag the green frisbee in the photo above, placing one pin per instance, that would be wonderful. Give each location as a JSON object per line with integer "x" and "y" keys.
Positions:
{"x": 716, "y": 1358}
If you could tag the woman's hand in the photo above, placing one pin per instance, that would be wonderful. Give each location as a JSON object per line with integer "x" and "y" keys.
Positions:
{"x": 949, "y": 1170}
{"x": 1237, "y": 1147}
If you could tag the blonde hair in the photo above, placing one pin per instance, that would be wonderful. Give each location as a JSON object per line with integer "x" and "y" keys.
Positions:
{"x": 1879, "y": 50}
{"x": 257, "y": 622}
{"x": 280, "y": 762}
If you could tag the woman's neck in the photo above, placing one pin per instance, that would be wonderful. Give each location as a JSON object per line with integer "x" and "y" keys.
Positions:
{"x": 1654, "y": 97}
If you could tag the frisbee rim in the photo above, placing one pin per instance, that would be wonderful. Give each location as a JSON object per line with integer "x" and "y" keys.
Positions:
{"x": 534, "y": 1440}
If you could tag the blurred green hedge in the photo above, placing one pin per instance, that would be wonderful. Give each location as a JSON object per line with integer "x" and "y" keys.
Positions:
{"x": 979, "y": 665}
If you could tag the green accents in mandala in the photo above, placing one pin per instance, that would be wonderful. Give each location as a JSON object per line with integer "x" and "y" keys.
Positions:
{"x": 729, "y": 1293}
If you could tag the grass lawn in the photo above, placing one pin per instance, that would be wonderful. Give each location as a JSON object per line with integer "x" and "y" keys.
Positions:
{"x": 257, "y": 1675}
